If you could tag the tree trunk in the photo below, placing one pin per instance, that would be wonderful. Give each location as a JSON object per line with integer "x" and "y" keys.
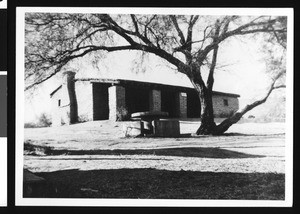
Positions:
{"x": 207, "y": 114}
{"x": 205, "y": 95}
{"x": 225, "y": 125}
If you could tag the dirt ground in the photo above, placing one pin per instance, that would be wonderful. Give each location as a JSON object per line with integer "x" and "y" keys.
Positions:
{"x": 249, "y": 153}
{"x": 267, "y": 141}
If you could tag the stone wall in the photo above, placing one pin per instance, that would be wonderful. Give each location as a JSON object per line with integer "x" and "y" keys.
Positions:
{"x": 116, "y": 100}
{"x": 220, "y": 107}
{"x": 155, "y": 100}
{"x": 182, "y": 105}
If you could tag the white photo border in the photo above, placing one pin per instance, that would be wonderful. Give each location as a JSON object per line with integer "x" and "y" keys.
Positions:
{"x": 20, "y": 26}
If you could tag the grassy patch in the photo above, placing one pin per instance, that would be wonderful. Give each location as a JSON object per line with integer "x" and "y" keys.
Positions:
{"x": 31, "y": 149}
{"x": 162, "y": 184}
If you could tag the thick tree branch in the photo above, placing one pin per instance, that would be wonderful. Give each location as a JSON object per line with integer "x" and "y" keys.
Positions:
{"x": 210, "y": 79}
{"x": 224, "y": 126}
{"x": 64, "y": 61}
{"x": 279, "y": 86}
{"x": 190, "y": 32}
{"x": 91, "y": 48}
{"x": 180, "y": 34}
{"x": 133, "y": 18}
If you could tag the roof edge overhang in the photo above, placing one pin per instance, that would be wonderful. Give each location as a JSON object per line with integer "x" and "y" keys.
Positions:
{"x": 55, "y": 90}
{"x": 139, "y": 83}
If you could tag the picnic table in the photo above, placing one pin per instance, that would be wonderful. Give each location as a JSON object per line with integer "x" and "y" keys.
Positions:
{"x": 147, "y": 118}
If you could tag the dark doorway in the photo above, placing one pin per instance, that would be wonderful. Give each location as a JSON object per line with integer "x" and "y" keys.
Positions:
{"x": 100, "y": 101}
{"x": 137, "y": 99}
{"x": 193, "y": 105}
{"x": 170, "y": 102}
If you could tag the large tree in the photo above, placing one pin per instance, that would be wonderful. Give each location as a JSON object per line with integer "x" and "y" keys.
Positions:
{"x": 187, "y": 42}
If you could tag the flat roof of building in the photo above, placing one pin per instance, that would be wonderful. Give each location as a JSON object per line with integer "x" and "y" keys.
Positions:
{"x": 141, "y": 83}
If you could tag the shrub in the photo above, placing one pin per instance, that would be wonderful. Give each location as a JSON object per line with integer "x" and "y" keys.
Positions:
{"x": 30, "y": 125}
{"x": 83, "y": 118}
{"x": 44, "y": 120}
{"x": 31, "y": 149}
{"x": 122, "y": 114}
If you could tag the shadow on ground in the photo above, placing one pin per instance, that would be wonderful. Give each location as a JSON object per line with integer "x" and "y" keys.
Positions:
{"x": 194, "y": 135}
{"x": 160, "y": 184}
{"x": 202, "y": 152}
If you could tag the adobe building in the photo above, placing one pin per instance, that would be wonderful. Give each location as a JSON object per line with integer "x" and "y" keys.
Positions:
{"x": 100, "y": 99}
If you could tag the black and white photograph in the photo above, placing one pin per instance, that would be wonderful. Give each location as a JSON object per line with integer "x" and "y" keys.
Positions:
{"x": 154, "y": 106}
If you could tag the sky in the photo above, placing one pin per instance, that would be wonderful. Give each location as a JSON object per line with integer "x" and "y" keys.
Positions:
{"x": 239, "y": 70}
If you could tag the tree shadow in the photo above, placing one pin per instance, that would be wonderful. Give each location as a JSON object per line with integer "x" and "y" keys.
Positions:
{"x": 159, "y": 184}
{"x": 241, "y": 134}
{"x": 199, "y": 152}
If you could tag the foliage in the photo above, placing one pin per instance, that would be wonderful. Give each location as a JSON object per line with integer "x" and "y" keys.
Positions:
{"x": 55, "y": 39}
{"x": 31, "y": 149}
{"x": 30, "y": 125}
{"x": 122, "y": 114}
{"x": 82, "y": 118}
{"x": 44, "y": 120}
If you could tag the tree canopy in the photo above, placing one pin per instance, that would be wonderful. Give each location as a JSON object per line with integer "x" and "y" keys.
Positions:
{"x": 54, "y": 39}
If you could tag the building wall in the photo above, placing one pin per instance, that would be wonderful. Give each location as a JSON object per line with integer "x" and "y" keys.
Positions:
{"x": 220, "y": 107}
{"x": 55, "y": 110}
{"x": 116, "y": 100}
{"x": 155, "y": 100}
{"x": 84, "y": 93}
{"x": 60, "y": 107}
{"x": 182, "y": 105}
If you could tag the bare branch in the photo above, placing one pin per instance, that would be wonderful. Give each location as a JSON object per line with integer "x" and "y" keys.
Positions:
{"x": 190, "y": 32}
{"x": 133, "y": 18}
{"x": 264, "y": 26}
{"x": 279, "y": 86}
{"x": 180, "y": 34}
